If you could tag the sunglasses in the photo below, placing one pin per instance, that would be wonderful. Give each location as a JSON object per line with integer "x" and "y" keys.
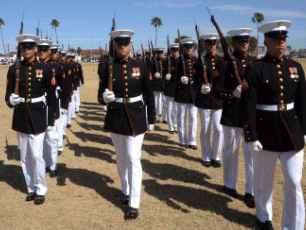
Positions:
{"x": 210, "y": 42}
{"x": 188, "y": 45}
{"x": 53, "y": 51}
{"x": 27, "y": 47}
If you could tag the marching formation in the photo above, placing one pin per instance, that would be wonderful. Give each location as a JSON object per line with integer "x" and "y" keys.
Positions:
{"x": 237, "y": 96}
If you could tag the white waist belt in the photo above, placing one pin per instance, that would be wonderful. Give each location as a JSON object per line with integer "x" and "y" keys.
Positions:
{"x": 128, "y": 100}
{"x": 282, "y": 107}
{"x": 33, "y": 100}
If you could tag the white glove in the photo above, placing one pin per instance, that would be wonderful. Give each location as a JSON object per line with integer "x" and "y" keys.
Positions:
{"x": 157, "y": 75}
{"x": 168, "y": 77}
{"x": 255, "y": 146}
{"x": 108, "y": 96}
{"x": 184, "y": 80}
{"x": 14, "y": 99}
{"x": 64, "y": 111}
{"x": 150, "y": 127}
{"x": 237, "y": 92}
{"x": 205, "y": 89}
{"x": 50, "y": 128}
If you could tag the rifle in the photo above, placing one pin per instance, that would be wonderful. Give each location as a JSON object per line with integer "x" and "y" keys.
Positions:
{"x": 168, "y": 56}
{"x": 134, "y": 55}
{"x": 150, "y": 51}
{"x": 227, "y": 55}
{"x": 201, "y": 52}
{"x": 17, "y": 68}
{"x": 37, "y": 29}
{"x": 110, "y": 59}
{"x": 182, "y": 53}
{"x": 154, "y": 57}
{"x": 143, "y": 54}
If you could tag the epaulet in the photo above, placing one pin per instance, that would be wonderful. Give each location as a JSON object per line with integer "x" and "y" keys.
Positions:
{"x": 256, "y": 62}
{"x": 290, "y": 59}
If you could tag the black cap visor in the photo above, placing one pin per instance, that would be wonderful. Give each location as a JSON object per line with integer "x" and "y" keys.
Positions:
{"x": 211, "y": 41}
{"x": 174, "y": 49}
{"x": 123, "y": 40}
{"x": 280, "y": 34}
{"x": 43, "y": 48}
{"x": 188, "y": 45}
{"x": 241, "y": 38}
{"x": 27, "y": 44}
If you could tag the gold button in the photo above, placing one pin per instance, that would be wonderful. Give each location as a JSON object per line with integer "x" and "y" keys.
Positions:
{"x": 248, "y": 131}
{"x": 124, "y": 66}
{"x": 225, "y": 94}
{"x": 29, "y": 95}
{"x": 281, "y": 80}
{"x": 282, "y": 102}
{"x": 214, "y": 67}
{"x": 126, "y": 83}
{"x": 213, "y": 63}
{"x": 125, "y": 77}
{"x": 126, "y": 90}
{"x": 126, "y": 95}
{"x": 295, "y": 80}
{"x": 30, "y": 73}
{"x": 111, "y": 107}
{"x": 282, "y": 87}
{"x": 30, "y": 84}
{"x": 125, "y": 71}
{"x": 141, "y": 107}
{"x": 29, "y": 79}
{"x": 281, "y": 94}
{"x": 29, "y": 89}
{"x": 278, "y": 66}
{"x": 249, "y": 138}
{"x": 30, "y": 68}
{"x": 213, "y": 59}
{"x": 114, "y": 79}
{"x": 260, "y": 119}
{"x": 267, "y": 81}
{"x": 279, "y": 72}
{"x": 190, "y": 78}
{"x": 229, "y": 102}
{"x": 244, "y": 65}
{"x": 295, "y": 116}
{"x": 243, "y": 60}
{"x": 274, "y": 60}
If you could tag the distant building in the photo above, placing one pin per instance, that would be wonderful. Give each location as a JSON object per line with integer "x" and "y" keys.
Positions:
{"x": 95, "y": 53}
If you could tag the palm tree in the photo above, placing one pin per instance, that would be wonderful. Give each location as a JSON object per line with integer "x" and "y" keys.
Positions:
{"x": 54, "y": 25}
{"x": 157, "y": 22}
{"x": 289, "y": 48}
{"x": 258, "y": 18}
{"x": 2, "y": 24}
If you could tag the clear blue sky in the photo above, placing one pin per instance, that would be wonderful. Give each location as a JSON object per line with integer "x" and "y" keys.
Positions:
{"x": 88, "y": 23}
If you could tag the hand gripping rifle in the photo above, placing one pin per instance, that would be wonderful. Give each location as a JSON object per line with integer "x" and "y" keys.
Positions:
{"x": 201, "y": 54}
{"x": 168, "y": 56}
{"x": 17, "y": 68}
{"x": 227, "y": 55}
{"x": 110, "y": 59}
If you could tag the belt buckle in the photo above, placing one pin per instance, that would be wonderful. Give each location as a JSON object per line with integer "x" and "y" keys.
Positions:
{"x": 28, "y": 100}
{"x": 126, "y": 100}
{"x": 282, "y": 107}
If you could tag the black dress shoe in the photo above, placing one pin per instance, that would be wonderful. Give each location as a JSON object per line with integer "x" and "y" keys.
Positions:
{"x": 132, "y": 213}
{"x": 216, "y": 164}
{"x": 184, "y": 146}
{"x": 125, "y": 199}
{"x": 53, "y": 173}
{"x": 64, "y": 136}
{"x": 59, "y": 153}
{"x": 266, "y": 225}
{"x": 231, "y": 192}
{"x": 165, "y": 122}
{"x": 30, "y": 196}
{"x": 206, "y": 164}
{"x": 175, "y": 131}
{"x": 47, "y": 169}
{"x": 171, "y": 132}
{"x": 194, "y": 147}
{"x": 68, "y": 125}
{"x": 249, "y": 200}
{"x": 39, "y": 199}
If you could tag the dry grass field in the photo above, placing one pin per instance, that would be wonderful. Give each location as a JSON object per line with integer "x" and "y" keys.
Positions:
{"x": 177, "y": 191}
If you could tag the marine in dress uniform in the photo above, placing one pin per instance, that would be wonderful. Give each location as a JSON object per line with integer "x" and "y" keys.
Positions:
{"x": 138, "y": 56}
{"x": 51, "y": 137}
{"x": 74, "y": 82}
{"x": 169, "y": 92}
{"x": 158, "y": 69}
{"x": 185, "y": 97}
{"x": 30, "y": 114}
{"x": 210, "y": 106}
{"x": 148, "y": 58}
{"x": 62, "y": 95}
{"x": 274, "y": 121}
{"x": 230, "y": 91}
{"x": 101, "y": 66}
{"x": 126, "y": 118}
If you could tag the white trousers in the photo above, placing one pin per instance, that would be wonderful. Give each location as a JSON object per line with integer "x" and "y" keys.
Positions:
{"x": 77, "y": 100}
{"x": 128, "y": 151}
{"x": 158, "y": 103}
{"x": 210, "y": 117}
{"x": 32, "y": 162}
{"x": 293, "y": 216}
{"x": 232, "y": 137}
{"x": 64, "y": 122}
{"x": 60, "y": 130}
{"x": 171, "y": 113}
{"x": 50, "y": 147}
{"x": 165, "y": 108}
{"x": 71, "y": 109}
{"x": 182, "y": 109}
